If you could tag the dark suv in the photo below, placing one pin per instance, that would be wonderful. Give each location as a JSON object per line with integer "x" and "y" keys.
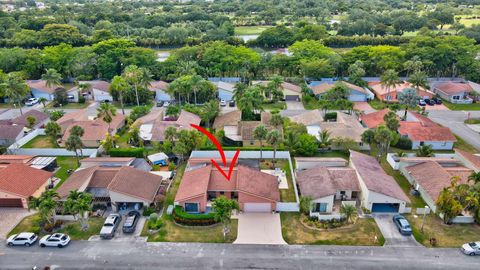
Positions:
{"x": 402, "y": 225}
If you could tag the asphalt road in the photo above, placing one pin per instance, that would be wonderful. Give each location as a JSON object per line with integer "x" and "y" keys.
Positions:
{"x": 140, "y": 255}
{"x": 454, "y": 121}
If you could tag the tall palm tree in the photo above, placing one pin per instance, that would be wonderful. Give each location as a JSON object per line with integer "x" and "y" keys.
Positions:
{"x": 77, "y": 204}
{"x": 15, "y": 88}
{"x": 274, "y": 138}
{"x": 209, "y": 111}
{"x": 196, "y": 84}
{"x": 119, "y": 85}
{"x": 45, "y": 205}
{"x": 106, "y": 112}
{"x": 52, "y": 77}
{"x": 418, "y": 79}
{"x": 389, "y": 80}
{"x": 43, "y": 101}
{"x": 260, "y": 134}
{"x": 135, "y": 77}
{"x": 238, "y": 91}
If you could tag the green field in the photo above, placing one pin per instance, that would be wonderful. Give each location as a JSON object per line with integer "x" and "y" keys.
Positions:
{"x": 250, "y": 30}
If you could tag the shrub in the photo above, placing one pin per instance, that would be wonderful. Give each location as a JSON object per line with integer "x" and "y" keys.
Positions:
{"x": 181, "y": 217}
{"x": 35, "y": 229}
{"x": 147, "y": 211}
{"x": 155, "y": 225}
{"x": 138, "y": 112}
{"x": 153, "y": 217}
{"x": 404, "y": 143}
{"x": 171, "y": 166}
{"x": 81, "y": 99}
{"x": 127, "y": 152}
{"x": 331, "y": 116}
{"x": 48, "y": 227}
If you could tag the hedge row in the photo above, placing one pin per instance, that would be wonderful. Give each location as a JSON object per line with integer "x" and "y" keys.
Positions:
{"x": 183, "y": 218}
{"x": 127, "y": 152}
{"x": 404, "y": 143}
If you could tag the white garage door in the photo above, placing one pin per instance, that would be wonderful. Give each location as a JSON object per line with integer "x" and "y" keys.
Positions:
{"x": 257, "y": 207}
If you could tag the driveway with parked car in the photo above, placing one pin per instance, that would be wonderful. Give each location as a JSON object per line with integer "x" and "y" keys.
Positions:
{"x": 391, "y": 232}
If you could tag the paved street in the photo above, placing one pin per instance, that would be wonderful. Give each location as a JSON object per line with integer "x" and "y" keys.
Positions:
{"x": 454, "y": 121}
{"x": 136, "y": 255}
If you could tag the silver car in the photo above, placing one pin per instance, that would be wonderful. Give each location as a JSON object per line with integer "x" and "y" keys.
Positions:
{"x": 110, "y": 226}
{"x": 472, "y": 248}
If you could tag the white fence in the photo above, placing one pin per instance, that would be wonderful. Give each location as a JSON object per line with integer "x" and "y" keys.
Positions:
{"x": 326, "y": 216}
{"x": 16, "y": 148}
{"x": 462, "y": 220}
{"x": 423, "y": 211}
{"x": 394, "y": 160}
{"x": 287, "y": 207}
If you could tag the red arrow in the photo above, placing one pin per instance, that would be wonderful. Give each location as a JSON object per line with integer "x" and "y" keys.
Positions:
{"x": 220, "y": 150}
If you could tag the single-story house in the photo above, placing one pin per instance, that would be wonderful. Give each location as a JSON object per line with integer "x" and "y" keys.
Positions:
{"x": 254, "y": 190}
{"x": 305, "y": 163}
{"x": 224, "y": 90}
{"x": 41, "y": 119}
{"x": 41, "y": 163}
{"x": 453, "y": 91}
{"x": 379, "y": 191}
{"x": 228, "y": 122}
{"x": 122, "y": 187}
{"x": 40, "y": 89}
{"x": 469, "y": 160}
{"x": 356, "y": 93}
{"x": 9, "y": 134}
{"x": 160, "y": 90}
{"x": 245, "y": 129}
{"x": 311, "y": 120}
{"x": 374, "y": 119}
{"x": 19, "y": 182}
{"x": 329, "y": 188}
{"x": 291, "y": 92}
{"x": 391, "y": 94}
{"x": 99, "y": 90}
{"x": 153, "y": 125}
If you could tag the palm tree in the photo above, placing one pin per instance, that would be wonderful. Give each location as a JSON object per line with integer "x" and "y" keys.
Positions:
{"x": 74, "y": 143}
{"x": 276, "y": 120}
{"x": 348, "y": 211}
{"x": 324, "y": 139}
{"x": 389, "y": 80}
{"x": 274, "y": 138}
{"x": 137, "y": 77}
{"x": 15, "y": 88}
{"x": 120, "y": 86}
{"x": 196, "y": 81}
{"x": 260, "y": 133}
{"x": 383, "y": 137}
{"x": 209, "y": 111}
{"x": 418, "y": 79}
{"x": 106, "y": 112}
{"x": 52, "y": 77}
{"x": 45, "y": 205}
{"x": 43, "y": 101}
{"x": 52, "y": 130}
{"x": 306, "y": 204}
{"x": 368, "y": 137}
{"x": 239, "y": 91}
{"x": 409, "y": 98}
{"x": 77, "y": 204}
{"x": 474, "y": 177}
{"x": 424, "y": 151}
{"x": 170, "y": 133}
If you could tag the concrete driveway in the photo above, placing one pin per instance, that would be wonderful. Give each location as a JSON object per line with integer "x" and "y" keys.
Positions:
{"x": 391, "y": 233}
{"x": 259, "y": 228}
{"x": 10, "y": 217}
{"x": 294, "y": 105}
{"x": 363, "y": 106}
{"x": 454, "y": 121}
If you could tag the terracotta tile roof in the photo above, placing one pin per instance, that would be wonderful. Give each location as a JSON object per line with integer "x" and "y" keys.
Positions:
{"x": 320, "y": 182}
{"x": 78, "y": 180}
{"x": 22, "y": 119}
{"x": 379, "y": 89}
{"x": 67, "y": 119}
{"x": 326, "y": 86}
{"x": 257, "y": 183}
{"x": 246, "y": 128}
{"x": 228, "y": 119}
{"x": 10, "y": 132}
{"x": 452, "y": 88}
{"x": 285, "y": 85}
{"x": 155, "y": 118}
{"x": 346, "y": 126}
{"x": 41, "y": 85}
{"x": 101, "y": 85}
{"x": 313, "y": 117}
{"x": 160, "y": 85}
{"x": 194, "y": 183}
{"x": 136, "y": 183}
{"x": 334, "y": 159}
{"x": 102, "y": 177}
{"x": 24, "y": 159}
{"x": 418, "y": 132}
{"x": 374, "y": 119}
{"x": 433, "y": 178}
{"x": 474, "y": 160}
{"x": 95, "y": 130}
{"x": 374, "y": 176}
{"x": 22, "y": 180}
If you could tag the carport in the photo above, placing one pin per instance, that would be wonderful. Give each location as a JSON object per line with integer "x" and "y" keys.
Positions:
{"x": 385, "y": 207}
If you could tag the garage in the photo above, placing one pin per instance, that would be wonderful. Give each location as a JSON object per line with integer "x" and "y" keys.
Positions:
{"x": 385, "y": 207}
{"x": 292, "y": 98}
{"x": 11, "y": 203}
{"x": 257, "y": 207}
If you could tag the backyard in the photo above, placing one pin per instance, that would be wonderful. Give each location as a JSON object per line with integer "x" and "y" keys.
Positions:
{"x": 40, "y": 141}
{"x": 286, "y": 195}
{"x": 362, "y": 233}
{"x": 65, "y": 164}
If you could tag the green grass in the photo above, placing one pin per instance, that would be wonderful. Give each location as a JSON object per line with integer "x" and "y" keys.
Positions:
{"x": 286, "y": 195}
{"x": 377, "y": 104}
{"x": 446, "y": 235}
{"x": 362, "y": 233}
{"x": 280, "y": 105}
{"x": 71, "y": 105}
{"x": 122, "y": 141}
{"x": 26, "y": 225}
{"x": 40, "y": 141}
{"x": 250, "y": 30}
{"x": 464, "y": 19}
{"x": 463, "y": 145}
{"x": 311, "y": 104}
{"x": 462, "y": 107}
{"x": 472, "y": 121}
{"x": 65, "y": 163}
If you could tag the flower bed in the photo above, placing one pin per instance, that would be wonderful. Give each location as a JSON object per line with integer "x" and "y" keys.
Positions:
{"x": 320, "y": 225}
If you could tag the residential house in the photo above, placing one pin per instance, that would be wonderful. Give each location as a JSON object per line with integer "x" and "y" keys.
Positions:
{"x": 160, "y": 90}
{"x": 9, "y": 134}
{"x": 225, "y": 90}
{"x": 291, "y": 92}
{"x": 153, "y": 125}
{"x": 98, "y": 90}
{"x": 137, "y": 163}
{"x": 311, "y": 120}
{"x": 454, "y": 91}
{"x": 379, "y": 192}
{"x": 374, "y": 119}
{"x": 245, "y": 129}
{"x": 41, "y": 119}
{"x": 254, "y": 190}
{"x": 121, "y": 187}
{"x": 40, "y": 89}
{"x": 38, "y": 162}
{"x": 228, "y": 122}
{"x": 356, "y": 93}
{"x": 391, "y": 94}
{"x": 305, "y": 163}
{"x": 19, "y": 182}
{"x": 11, "y": 130}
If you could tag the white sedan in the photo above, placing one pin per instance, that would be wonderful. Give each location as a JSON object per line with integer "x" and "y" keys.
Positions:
{"x": 55, "y": 240}
{"x": 31, "y": 101}
{"x": 472, "y": 248}
{"x": 22, "y": 239}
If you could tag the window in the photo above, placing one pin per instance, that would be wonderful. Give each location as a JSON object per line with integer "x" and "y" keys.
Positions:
{"x": 191, "y": 207}
{"x": 320, "y": 207}
{"x": 251, "y": 142}
{"x": 222, "y": 193}
{"x": 456, "y": 97}
{"x": 422, "y": 143}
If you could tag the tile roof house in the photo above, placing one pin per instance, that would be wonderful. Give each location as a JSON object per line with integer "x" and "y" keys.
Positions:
{"x": 228, "y": 122}
{"x": 454, "y": 91}
{"x": 254, "y": 190}
{"x": 153, "y": 125}
{"x": 356, "y": 93}
{"x": 99, "y": 90}
{"x": 40, "y": 117}
{"x": 40, "y": 89}
{"x": 391, "y": 94}
{"x": 117, "y": 185}
{"x": 245, "y": 129}
{"x": 18, "y": 182}
{"x": 379, "y": 191}
{"x": 374, "y": 119}
{"x": 160, "y": 90}
{"x": 291, "y": 92}
{"x": 11, "y": 130}
{"x": 469, "y": 160}
{"x": 224, "y": 90}
{"x": 10, "y": 134}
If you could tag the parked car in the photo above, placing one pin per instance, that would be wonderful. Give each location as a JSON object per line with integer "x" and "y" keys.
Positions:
{"x": 223, "y": 103}
{"x": 166, "y": 104}
{"x": 472, "y": 248}
{"x": 437, "y": 100}
{"x": 421, "y": 102}
{"x": 110, "y": 226}
{"x": 22, "y": 239}
{"x": 429, "y": 102}
{"x": 55, "y": 240}
{"x": 402, "y": 224}
{"x": 160, "y": 103}
{"x": 131, "y": 222}
{"x": 231, "y": 103}
{"x": 31, "y": 101}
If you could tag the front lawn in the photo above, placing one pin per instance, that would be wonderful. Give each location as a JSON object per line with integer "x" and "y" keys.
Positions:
{"x": 280, "y": 105}
{"x": 40, "y": 141}
{"x": 31, "y": 224}
{"x": 472, "y": 121}
{"x": 361, "y": 233}
{"x": 65, "y": 164}
{"x": 446, "y": 235}
{"x": 377, "y": 104}
{"x": 463, "y": 145}
{"x": 462, "y": 107}
{"x": 70, "y": 105}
